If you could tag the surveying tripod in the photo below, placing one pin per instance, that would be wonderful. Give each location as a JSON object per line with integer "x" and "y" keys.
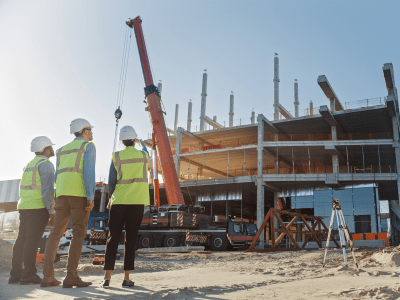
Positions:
{"x": 343, "y": 233}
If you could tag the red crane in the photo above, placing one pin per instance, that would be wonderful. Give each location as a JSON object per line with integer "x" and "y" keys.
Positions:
{"x": 160, "y": 136}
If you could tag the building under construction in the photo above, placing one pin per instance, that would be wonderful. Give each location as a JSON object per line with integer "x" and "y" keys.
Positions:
{"x": 350, "y": 152}
{"x": 298, "y": 161}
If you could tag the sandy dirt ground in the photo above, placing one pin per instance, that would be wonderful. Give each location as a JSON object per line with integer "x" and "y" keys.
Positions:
{"x": 229, "y": 275}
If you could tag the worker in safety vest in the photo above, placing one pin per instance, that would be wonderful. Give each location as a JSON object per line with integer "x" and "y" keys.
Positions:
{"x": 75, "y": 187}
{"x": 37, "y": 195}
{"x": 127, "y": 183}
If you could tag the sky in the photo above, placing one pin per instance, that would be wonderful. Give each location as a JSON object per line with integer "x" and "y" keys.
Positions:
{"x": 61, "y": 60}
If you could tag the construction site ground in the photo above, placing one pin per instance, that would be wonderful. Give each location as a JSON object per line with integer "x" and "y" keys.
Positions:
{"x": 228, "y": 275}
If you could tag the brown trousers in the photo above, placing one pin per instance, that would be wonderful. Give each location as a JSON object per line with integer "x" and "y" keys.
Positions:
{"x": 66, "y": 207}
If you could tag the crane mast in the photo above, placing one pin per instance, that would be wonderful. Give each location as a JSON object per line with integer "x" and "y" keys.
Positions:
{"x": 160, "y": 136}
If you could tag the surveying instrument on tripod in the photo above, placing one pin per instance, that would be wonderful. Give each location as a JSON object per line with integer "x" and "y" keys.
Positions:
{"x": 343, "y": 233}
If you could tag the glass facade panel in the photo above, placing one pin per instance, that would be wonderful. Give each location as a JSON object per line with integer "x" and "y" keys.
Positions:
{"x": 355, "y": 202}
{"x": 364, "y": 201}
{"x": 303, "y": 202}
{"x": 323, "y": 203}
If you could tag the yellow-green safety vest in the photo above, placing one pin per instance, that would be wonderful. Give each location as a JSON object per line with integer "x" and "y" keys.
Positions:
{"x": 31, "y": 186}
{"x": 132, "y": 186}
{"x": 69, "y": 180}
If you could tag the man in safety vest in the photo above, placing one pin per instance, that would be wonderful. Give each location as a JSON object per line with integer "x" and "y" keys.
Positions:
{"x": 37, "y": 194}
{"x": 75, "y": 187}
{"x": 128, "y": 185}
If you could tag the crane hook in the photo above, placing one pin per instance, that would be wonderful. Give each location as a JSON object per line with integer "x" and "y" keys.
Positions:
{"x": 118, "y": 113}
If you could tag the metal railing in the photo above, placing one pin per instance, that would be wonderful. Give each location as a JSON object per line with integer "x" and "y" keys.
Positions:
{"x": 365, "y": 103}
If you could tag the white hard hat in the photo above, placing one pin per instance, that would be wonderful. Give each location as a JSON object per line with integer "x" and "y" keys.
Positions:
{"x": 78, "y": 124}
{"x": 39, "y": 143}
{"x": 127, "y": 133}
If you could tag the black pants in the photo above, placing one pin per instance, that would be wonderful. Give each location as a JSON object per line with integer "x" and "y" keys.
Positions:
{"x": 120, "y": 215}
{"x": 31, "y": 227}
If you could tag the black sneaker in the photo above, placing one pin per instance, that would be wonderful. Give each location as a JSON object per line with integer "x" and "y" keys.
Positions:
{"x": 14, "y": 280}
{"x": 127, "y": 283}
{"x": 35, "y": 279}
{"x": 105, "y": 284}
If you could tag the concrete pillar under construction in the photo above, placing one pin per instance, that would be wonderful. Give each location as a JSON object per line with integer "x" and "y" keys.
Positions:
{"x": 253, "y": 117}
{"x": 189, "y": 118}
{"x": 260, "y": 180}
{"x": 203, "y": 101}
{"x": 276, "y": 138}
{"x": 392, "y": 101}
{"x": 296, "y": 99}
{"x": 276, "y": 87}
{"x": 333, "y": 133}
{"x": 176, "y": 117}
{"x": 335, "y": 164}
{"x": 332, "y": 104}
{"x": 231, "y": 110}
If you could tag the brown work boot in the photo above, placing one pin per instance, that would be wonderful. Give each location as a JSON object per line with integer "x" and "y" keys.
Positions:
{"x": 78, "y": 282}
{"x": 49, "y": 281}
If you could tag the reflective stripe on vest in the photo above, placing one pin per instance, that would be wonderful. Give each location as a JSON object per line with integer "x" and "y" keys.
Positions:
{"x": 34, "y": 169}
{"x": 70, "y": 160}
{"x": 131, "y": 186}
{"x": 80, "y": 151}
{"x": 120, "y": 162}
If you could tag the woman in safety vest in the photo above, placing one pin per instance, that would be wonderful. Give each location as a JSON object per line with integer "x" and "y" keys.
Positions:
{"x": 129, "y": 188}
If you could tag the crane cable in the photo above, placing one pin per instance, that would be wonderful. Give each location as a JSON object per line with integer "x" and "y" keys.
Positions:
{"x": 122, "y": 80}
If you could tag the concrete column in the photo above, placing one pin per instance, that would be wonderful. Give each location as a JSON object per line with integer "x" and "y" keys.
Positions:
{"x": 311, "y": 108}
{"x": 253, "y": 117}
{"x": 397, "y": 151}
{"x": 176, "y": 117}
{"x": 296, "y": 99}
{"x": 189, "y": 118}
{"x": 260, "y": 181}
{"x": 178, "y": 151}
{"x": 335, "y": 164}
{"x": 231, "y": 106}
{"x": 332, "y": 102}
{"x": 276, "y": 138}
{"x": 333, "y": 133}
{"x": 103, "y": 198}
{"x": 276, "y": 87}
{"x": 203, "y": 101}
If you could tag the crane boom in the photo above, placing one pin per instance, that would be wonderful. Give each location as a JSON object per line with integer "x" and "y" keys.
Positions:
{"x": 171, "y": 181}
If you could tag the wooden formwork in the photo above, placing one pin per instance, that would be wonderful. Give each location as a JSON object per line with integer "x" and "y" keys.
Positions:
{"x": 317, "y": 230}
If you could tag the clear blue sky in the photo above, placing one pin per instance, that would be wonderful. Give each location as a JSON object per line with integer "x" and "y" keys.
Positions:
{"x": 60, "y": 60}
